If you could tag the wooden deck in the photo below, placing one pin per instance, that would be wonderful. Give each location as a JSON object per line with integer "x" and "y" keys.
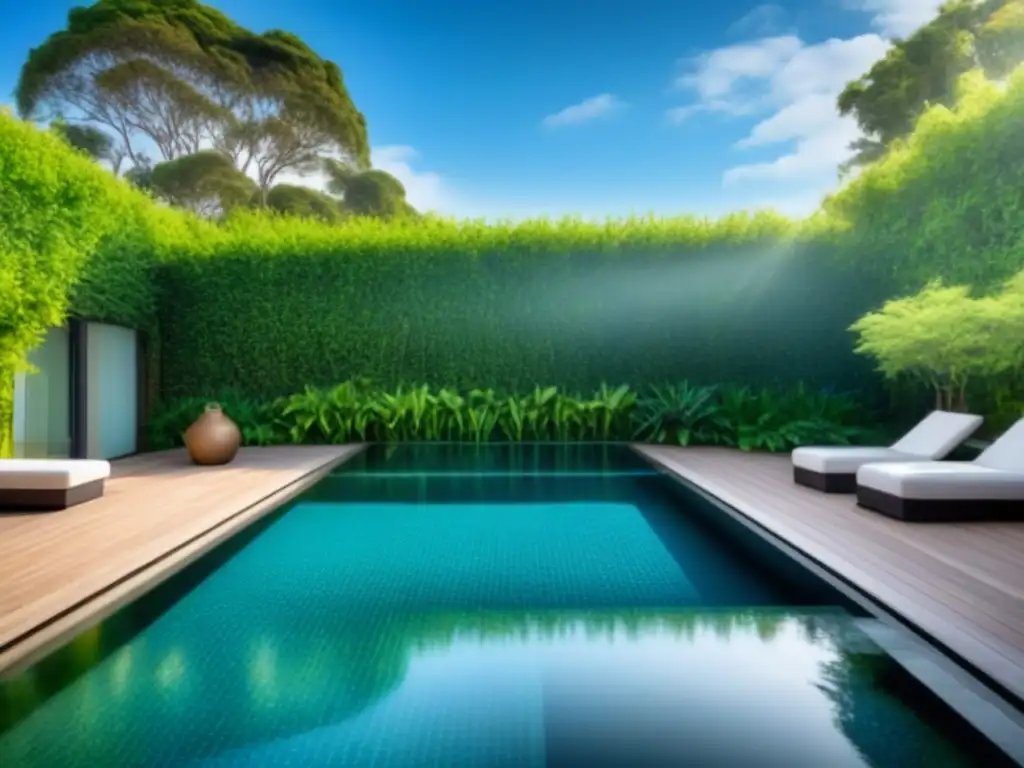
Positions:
{"x": 962, "y": 584}
{"x": 60, "y": 570}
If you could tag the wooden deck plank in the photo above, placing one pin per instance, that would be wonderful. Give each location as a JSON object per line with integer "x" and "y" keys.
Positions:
{"x": 53, "y": 562}
{"x": 962, "y": 583}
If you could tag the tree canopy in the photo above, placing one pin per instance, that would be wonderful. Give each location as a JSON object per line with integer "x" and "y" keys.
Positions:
{"x": 367, "y": 192}
{"x": 295, "y": 200}
{"x": 184, "y": 77}
{"x": 206, "y": 183}
{"x": 924, "y": 69}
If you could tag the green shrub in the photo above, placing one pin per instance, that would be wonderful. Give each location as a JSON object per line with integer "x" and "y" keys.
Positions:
{"x": 943, "y": 337}
{"x": 356, "y": 411}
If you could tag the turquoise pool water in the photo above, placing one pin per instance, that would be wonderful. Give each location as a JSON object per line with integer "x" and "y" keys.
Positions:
{"x": 451, "y": 606}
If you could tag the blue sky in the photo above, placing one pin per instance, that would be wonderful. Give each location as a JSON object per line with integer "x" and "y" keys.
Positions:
{"x": 598, "y": 107}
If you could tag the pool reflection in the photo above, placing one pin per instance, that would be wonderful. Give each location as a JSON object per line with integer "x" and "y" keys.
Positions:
{"x": 645, "y": 687}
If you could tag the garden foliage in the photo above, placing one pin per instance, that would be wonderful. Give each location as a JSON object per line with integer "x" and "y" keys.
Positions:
{"x": 267, "y": 305}
{"x": 685, "y": 414}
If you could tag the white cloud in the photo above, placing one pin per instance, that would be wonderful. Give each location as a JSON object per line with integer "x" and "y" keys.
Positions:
{"x": 721, "y": 73}
{"x": 897, "y": 18}
{"x": 587, "y": 110}
{"x": 795, "y": 86}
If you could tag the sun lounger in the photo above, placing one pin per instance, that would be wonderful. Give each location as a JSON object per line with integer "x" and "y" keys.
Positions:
{"x": 989, "y": 488}
{"x": 833, "y": 469}
{"x": 50, "y": 484}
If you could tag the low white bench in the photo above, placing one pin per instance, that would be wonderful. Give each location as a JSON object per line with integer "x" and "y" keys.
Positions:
{"x": 50, "y": 484}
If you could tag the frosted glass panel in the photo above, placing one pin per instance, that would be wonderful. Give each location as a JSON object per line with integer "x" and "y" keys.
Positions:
{"x": 42, "y": 401}
{"x": 111, "y": 391}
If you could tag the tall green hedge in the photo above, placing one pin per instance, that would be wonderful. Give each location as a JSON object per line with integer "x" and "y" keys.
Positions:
{"x": 271, "y": 305}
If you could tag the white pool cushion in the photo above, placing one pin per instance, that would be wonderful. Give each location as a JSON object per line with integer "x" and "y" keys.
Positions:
{"x": 938, "y": 434}
{"x": 942, "y": 480}
{"x": 957, "y": 488}
{"x": 843, "y": 459}
{"x": 50, "y": 474}
{"x": 933, "y": 438}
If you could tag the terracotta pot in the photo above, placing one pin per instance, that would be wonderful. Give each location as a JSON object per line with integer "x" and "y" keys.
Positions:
{"x": 213, "y": 438}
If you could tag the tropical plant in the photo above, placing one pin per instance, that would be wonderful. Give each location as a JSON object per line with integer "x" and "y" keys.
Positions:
{"x": 775, "y": 420}
{"x": 613, "y": 407}
{"x": 680, "y": 414}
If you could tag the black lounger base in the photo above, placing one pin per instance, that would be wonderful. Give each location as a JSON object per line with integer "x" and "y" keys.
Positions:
{"x": 939, "y": 510}
{"x": 50, "y": 499}
{"x": 826, "y": 483}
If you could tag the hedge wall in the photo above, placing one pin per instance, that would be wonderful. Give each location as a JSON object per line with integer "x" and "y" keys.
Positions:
{"x": 272, "y": 305}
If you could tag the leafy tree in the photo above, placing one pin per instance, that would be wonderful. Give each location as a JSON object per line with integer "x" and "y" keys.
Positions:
{"x": 942, "y": 337}
{"x": 183, "y": 76}
{"x": 303, "y": 201}
{"x": 924, "y": 69}
{"x": 916, "y": 71}
{"x": 367, "y": 193}
{"x": 206, "y": 182}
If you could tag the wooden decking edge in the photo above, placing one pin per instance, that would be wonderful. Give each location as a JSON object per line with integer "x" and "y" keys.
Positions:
{"x": 48, "y": 635}
{"x": 1006, "y": 696}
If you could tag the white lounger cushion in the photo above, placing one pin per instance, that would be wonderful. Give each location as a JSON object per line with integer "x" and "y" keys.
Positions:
{"x": 942, "y": 480}
{"x": 844, "y": 459}
{"x": 934, "y": 437}
{"x": 938, "y": 434}
{"x": 1006, "y": 453}
{"x": 998, "y": 473}
{"x": 50, "y": 474}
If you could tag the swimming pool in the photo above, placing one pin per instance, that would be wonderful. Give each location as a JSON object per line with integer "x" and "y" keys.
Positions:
{"x": 447, "y": 605}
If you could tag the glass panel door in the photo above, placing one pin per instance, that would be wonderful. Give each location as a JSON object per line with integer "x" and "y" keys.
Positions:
{"x": 42, "y": 401}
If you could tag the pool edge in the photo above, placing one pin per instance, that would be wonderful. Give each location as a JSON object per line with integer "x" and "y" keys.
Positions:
{"x": 48, "y": 636}
{"x": 980, "y": 690}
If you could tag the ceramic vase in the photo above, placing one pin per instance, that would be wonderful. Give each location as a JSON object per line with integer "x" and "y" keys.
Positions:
{"x": 213, "y": 438}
